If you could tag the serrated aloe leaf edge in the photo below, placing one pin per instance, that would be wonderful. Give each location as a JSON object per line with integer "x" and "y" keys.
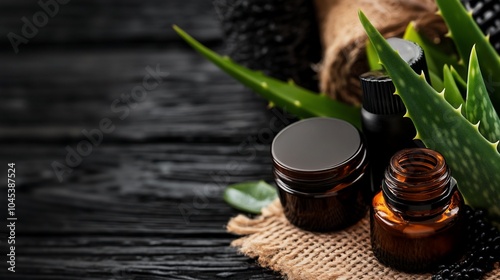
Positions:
{"x": 474, "y": 160}
{"x": 466, "y": 33}
{"x": 478, "y": 107}
{"x": 439, "y": 125}
{"x": 452, "y": 93}
{"x": 435, "y": 56}
{"x": 294, "y": 99}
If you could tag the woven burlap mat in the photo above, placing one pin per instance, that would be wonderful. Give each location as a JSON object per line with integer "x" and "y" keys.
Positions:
{"x": 299, "y": 254}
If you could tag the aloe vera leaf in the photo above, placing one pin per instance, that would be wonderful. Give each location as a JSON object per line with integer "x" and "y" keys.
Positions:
{"x": 435, "y": 55}
{"x": 436, "y": 81}
{"x": 452, "y": 93}
{"x": 372, "y": 57}
{"x": 473, "y": 159}
{"x": 465, "y": 33}
{"x": 459, "y": 81}
{"x": 373, "y": 63}
{"x": 478, "y": 105}
{"x": 294, "y": 99}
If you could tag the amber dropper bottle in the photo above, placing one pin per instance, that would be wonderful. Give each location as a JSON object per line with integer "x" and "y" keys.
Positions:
{"x": 417, "y": 219}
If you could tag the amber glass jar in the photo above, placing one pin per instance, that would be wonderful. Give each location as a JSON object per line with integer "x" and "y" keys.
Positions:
{"x": 319, "y": 168}
{"x": 417, "y": 220}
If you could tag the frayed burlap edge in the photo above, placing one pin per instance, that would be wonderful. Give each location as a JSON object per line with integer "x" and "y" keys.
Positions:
{"x": 299, "y": 254}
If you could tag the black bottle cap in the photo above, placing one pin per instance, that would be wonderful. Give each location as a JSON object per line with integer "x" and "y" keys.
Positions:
{"x": 378, "y": 89}
{"x": 378, "y": 94}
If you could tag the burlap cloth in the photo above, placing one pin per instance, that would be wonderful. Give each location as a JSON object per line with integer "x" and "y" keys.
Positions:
{"x": 343, "y": 38}
{"x": 298, "y": 254}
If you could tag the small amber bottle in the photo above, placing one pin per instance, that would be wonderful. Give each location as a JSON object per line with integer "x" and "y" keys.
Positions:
{"x": 417, "y": 219}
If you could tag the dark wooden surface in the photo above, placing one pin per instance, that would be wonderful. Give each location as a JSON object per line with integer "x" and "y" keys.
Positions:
{"x": 146, "y": 203}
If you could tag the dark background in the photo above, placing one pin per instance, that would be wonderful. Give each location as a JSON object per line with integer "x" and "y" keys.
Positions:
{"x": 145, "y": 203}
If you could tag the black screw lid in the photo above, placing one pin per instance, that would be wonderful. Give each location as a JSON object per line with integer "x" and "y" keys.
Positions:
{"x": 378, "y": 89}
{"x": 412, "y": 54}
{"x": 316, "y": 154}
{"x": 378, "y": 94}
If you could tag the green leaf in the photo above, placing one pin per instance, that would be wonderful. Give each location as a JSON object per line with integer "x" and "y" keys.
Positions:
{"x": 435, "y": 54}
{"x": 473, "y": 159}
{"x": 452, "y": 93}
{"x": 478, "y": 105}
{"x": 372, "y": 57}
{"x": 465, "y": 33}
{"x": 250, "y": 196}
{"x": 294, "y": 99}
{"x": 459, "y": 81}
{"x": 436, "y": 81}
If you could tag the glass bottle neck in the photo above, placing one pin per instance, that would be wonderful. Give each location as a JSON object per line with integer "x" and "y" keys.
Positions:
{"x": 418, "y": 183}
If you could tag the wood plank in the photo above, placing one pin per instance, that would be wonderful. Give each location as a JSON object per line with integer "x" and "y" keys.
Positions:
{"x": 121, "y": 216}
{"x": 111, "y": 21}
{"x": 147, "y": 202}
{"x": 53, "y": 96}
{"x": 201, "y": 166}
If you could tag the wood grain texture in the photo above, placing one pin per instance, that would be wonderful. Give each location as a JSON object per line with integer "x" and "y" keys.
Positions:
{"x": 80, "y": 88}
{"x": 146, "y": 203}
{"x": 111, "y": 21}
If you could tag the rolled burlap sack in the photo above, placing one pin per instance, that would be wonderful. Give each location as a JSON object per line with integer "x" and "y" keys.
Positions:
{"x": 344, "y": 40}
